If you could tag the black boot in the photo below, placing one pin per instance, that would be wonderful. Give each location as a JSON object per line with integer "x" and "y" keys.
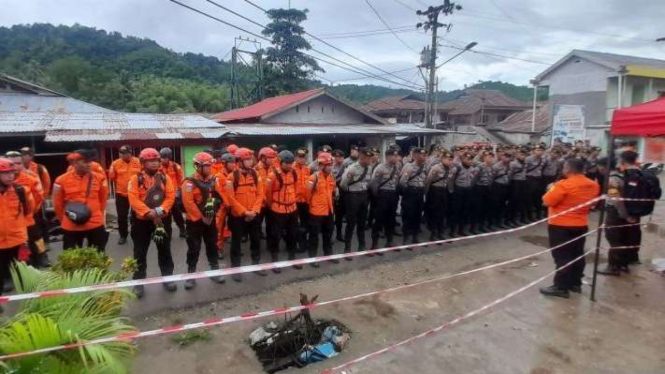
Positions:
{"x": 348, "y": 250}
{"x": 611, "y": 270}
{"x": 292, "y": 256}
{"x": 555, "y": 291}
{"x": 262, "y": 273}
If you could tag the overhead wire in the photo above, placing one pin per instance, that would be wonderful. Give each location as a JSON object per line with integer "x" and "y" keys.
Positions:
{"x": 354, "y": 69}
{"x": 378, "y": 15}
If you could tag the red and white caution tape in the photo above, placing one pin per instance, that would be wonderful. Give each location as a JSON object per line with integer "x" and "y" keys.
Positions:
{"x": 455, "y": 321}
{"x": 273, "y": 312}
{"x": 269, "y": 266}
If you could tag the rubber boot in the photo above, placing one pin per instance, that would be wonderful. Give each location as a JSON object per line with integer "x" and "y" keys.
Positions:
{"x": 262, "y": 273}
{"x": 274, "y": 257}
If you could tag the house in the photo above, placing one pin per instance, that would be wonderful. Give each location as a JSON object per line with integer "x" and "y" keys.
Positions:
{"x": 597, "y": 83}
{"x": 519, "y": 128}
{"x": 313, "y": 118}
{"x": 399, "y": 109}
{"x": 53, "y": 124}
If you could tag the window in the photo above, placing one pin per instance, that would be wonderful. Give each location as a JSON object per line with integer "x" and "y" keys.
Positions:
{"x": 322, "y": 106}
{"x": 485, "y": 119}
{"x": 502, "y": 117}
{"x": 297, "y": 108}
{"x": 308, "y": 109}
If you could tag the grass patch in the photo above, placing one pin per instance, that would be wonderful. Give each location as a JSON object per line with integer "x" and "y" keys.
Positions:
{"x": 190, "y": 337}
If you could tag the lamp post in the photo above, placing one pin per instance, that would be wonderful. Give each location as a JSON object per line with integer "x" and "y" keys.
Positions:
{"x": 534, "y": 82}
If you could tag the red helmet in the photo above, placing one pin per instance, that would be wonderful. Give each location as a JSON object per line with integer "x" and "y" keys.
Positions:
{"x": 231, "y": 148}
{"x": 243, "y": 154}
{"x": 203, "y": 158}
{"x": 267, "y": 152}
{"x": 149, "y": 154}
{"x": 324, "y": 158}
{"x": 6, "y": 165}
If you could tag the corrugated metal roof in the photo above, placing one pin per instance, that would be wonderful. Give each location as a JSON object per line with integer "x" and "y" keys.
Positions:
{"x": 266, "y": 106}
{"x": 25, "y": 103}
{"x": 521, "y": 122}
{"x": 148, "y": 134}
{"x": 474, "y": 100}
{"x": 406, "y": 102}
{"x": 256, "y": 129}
{"x": 611, "y": 61}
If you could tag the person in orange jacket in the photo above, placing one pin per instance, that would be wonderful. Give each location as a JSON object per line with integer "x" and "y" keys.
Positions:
{"x": 266, "y": 163}
{"x": 202, "y": 200}
{"x": 281, "y": 191}
{"x": 40, "y": 170}
{"x": 95, "y": 166}
{"x": 567, "y": 193}
{"x": 16, "y": 207}
{"x": 120, "y": 172}
{"x": 177, "y": 175}
{"x": 223, "y": 231}
{"x": 321, "y": 194}
{"x": 79, "y": 201}
{"x": 32, "y": 184}
{"x": 217, "y": 165}
{"x": 303, "y": 173}
{"x": 151, "y": 197}
{"x": 245, "y": 192}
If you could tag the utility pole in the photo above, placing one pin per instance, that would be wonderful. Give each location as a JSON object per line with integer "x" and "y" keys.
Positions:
{"x": 428, "y": 57}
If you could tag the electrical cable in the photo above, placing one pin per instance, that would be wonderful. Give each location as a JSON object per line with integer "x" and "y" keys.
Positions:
{"x": 378, "y": 15}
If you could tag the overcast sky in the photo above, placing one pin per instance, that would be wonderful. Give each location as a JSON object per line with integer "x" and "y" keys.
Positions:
{"x": 541, "y": 31}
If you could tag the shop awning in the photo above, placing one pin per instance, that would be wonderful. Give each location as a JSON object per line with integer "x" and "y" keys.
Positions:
{"x": 646, "y": 119}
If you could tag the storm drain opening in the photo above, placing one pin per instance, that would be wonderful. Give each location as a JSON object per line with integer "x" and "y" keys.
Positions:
{"x": 298, "y": 341}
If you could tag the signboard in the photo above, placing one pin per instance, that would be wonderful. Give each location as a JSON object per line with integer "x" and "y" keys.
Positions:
{"x": 568, "y": 123}
{"x": 654, "y": 150}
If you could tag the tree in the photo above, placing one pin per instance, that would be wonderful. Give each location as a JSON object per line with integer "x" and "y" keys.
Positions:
{"x": 288, "y": 67}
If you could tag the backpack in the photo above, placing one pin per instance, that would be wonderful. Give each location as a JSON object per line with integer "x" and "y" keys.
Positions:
{"x": 640, "y": 185}
{"x": 20, "y": 193}
{"x": 206, "y": 189}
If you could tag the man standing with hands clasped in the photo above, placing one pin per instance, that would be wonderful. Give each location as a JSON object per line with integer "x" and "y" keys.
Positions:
{"x": 573, "y": 190}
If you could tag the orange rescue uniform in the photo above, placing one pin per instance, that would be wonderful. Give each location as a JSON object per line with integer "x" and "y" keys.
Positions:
{"x": 14, "y": 218}
{"x": 192, "y": 197}
{"x": 122, "y": 171}
{"x": 223, "y": 231}
{"x": 249, "y": 194}
{"x": 32, "y": 187}
{"x": 72, "y": 187}
{"x": 281, "y": 190}
{"x": 568, "y": 193}
{"x": 137, "y": 193}
{"x": 174, "y": 171}
{"x": 321, "y": 196}
{"x": 95, "y": 167}
{"x": 44, "y": 177}
{"x": 303, "y": 173}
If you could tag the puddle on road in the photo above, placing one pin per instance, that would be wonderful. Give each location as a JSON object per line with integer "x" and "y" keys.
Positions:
{"x": 538, "y": 240}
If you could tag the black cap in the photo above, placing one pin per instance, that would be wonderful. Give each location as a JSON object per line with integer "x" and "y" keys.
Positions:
{"x": 326, "y": 148}
{"x": 446, "y": 154}
{"x": 355, "y": 147}
{"x": 524, "y": 150}
{"x": 392, "y": 152}
{"x": 419, "y": 150}
{"x": 539, "y": 147}
{"x": 125, "y": 149}
{"x": 376, "y": 151}
{"x": 13, "y": 154}
{"x": 338, "y": 153}
{"x": 302, "y": 152}
{"x": 366, "y": 151}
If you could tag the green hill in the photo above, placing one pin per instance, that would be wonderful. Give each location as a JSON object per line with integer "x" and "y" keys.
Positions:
{"x": 138, "y": 75}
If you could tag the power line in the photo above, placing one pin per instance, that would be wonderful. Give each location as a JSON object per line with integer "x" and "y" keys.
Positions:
{"x": 235, "y": 13}
{"x": 508, "y": 49}
{"x": 378, "y": 15}
{"x": 392, "y": 72}
{"x": 256, "y": 6}
{"x": 345, "y": 53}
{"x": 498, "y": 55}
{"x": 407, "y": 6}
{"x": 364, "y": 31}
{"x": 352, "y": 69}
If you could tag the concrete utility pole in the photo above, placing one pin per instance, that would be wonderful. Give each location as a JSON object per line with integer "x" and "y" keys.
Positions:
{"x": 429, "y": 55}
{"x": 534, "y": 82}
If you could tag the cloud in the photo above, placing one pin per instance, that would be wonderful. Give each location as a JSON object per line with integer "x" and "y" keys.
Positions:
{"x": 537, "y": 30}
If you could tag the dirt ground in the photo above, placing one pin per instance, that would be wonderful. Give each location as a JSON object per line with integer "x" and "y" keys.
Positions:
{"x": 620, "y": 333}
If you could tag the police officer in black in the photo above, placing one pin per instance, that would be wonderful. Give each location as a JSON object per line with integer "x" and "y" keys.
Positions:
{"x": 438, "y": 186}
{"x": 534, "y": 188}
{"x": 355, "y": 183}
{"x": 384, "y": 189}
{"x": 517, "y": 204}
{"x": 465, "y": 178}
{"x": 412, "y": 187}
{"x": 501, "y": 190}
{"x": 337, "y": 171}
{"x": 482, "y": 196}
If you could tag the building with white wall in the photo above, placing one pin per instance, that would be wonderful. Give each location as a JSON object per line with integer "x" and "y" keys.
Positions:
{"x": 594, "y": 81}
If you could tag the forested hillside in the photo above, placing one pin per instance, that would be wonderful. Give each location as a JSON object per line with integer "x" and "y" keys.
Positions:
{"x": 138, "y": 75}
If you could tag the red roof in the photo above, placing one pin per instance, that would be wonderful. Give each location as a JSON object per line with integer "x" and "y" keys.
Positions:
{"x": 272, "y": 105}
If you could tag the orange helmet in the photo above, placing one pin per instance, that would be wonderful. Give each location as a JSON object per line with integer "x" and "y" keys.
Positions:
{"x": 203, "y": 158}
{"x": 231, "y": 148}
{"x": 243, "y": 154}
{"x": 267, "y": 152}
{"x": 324, "y": 158}
{"x": 149, "y": 154}
{"x": 6, "y": 165}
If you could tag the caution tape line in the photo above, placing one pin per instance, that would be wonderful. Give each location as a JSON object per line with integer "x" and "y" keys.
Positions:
{"x": 455, "y": 321}
{"x": 272, "y": 265}
{"x": 273, "y": 312}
